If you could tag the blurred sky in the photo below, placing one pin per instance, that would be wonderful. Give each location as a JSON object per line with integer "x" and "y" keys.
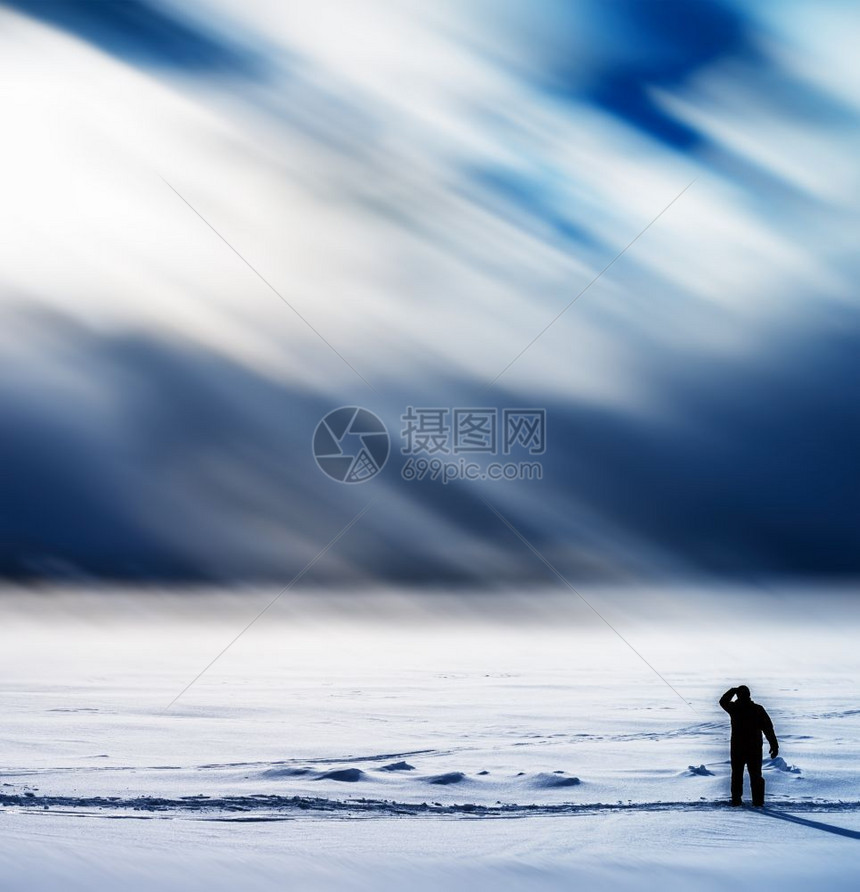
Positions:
{"x": 429, "y": 185}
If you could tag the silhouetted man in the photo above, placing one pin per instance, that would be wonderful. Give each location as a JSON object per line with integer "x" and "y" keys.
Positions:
{"x": 749, "y": 721}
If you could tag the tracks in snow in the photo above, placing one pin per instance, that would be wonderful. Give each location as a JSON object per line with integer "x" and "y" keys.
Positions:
{"x": 273, "y": 808}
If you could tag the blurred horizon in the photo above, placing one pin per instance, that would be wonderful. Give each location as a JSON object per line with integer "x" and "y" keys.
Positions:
{"x": 221, "y": 223}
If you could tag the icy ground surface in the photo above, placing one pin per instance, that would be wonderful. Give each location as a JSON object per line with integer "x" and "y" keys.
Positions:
{"x": 379, "y": 748}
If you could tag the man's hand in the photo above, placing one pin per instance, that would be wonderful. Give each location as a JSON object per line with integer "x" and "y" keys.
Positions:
{"x": 774, "y": 752}
{"x": 726, "y": 700}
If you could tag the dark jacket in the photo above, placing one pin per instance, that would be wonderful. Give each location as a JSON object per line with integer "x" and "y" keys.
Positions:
{"x": 749, "y": 722}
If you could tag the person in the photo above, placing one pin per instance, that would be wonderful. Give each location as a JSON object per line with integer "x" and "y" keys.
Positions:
{"x": 749, "y": 721}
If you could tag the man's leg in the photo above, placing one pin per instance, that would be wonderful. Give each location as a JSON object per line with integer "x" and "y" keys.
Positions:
{"x": 737, "y": 777}
{"x": 756, "y": 780}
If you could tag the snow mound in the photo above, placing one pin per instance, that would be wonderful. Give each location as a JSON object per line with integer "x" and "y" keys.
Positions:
{"x": 450, "y": 777}
{"x": 554, "y": 780}
{"x": 781, "y": 765}
{"x": 398, "y": 766}
{"x": 347, "y": 775}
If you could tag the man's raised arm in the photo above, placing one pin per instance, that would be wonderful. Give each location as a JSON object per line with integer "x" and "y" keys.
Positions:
{"x": 726, "y": 699}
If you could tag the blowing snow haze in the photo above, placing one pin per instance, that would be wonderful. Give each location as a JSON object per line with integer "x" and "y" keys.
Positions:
{"x": 426, "y": 187}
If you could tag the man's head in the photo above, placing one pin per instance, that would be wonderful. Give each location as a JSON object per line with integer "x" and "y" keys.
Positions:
{"x": 743, "y": 692}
